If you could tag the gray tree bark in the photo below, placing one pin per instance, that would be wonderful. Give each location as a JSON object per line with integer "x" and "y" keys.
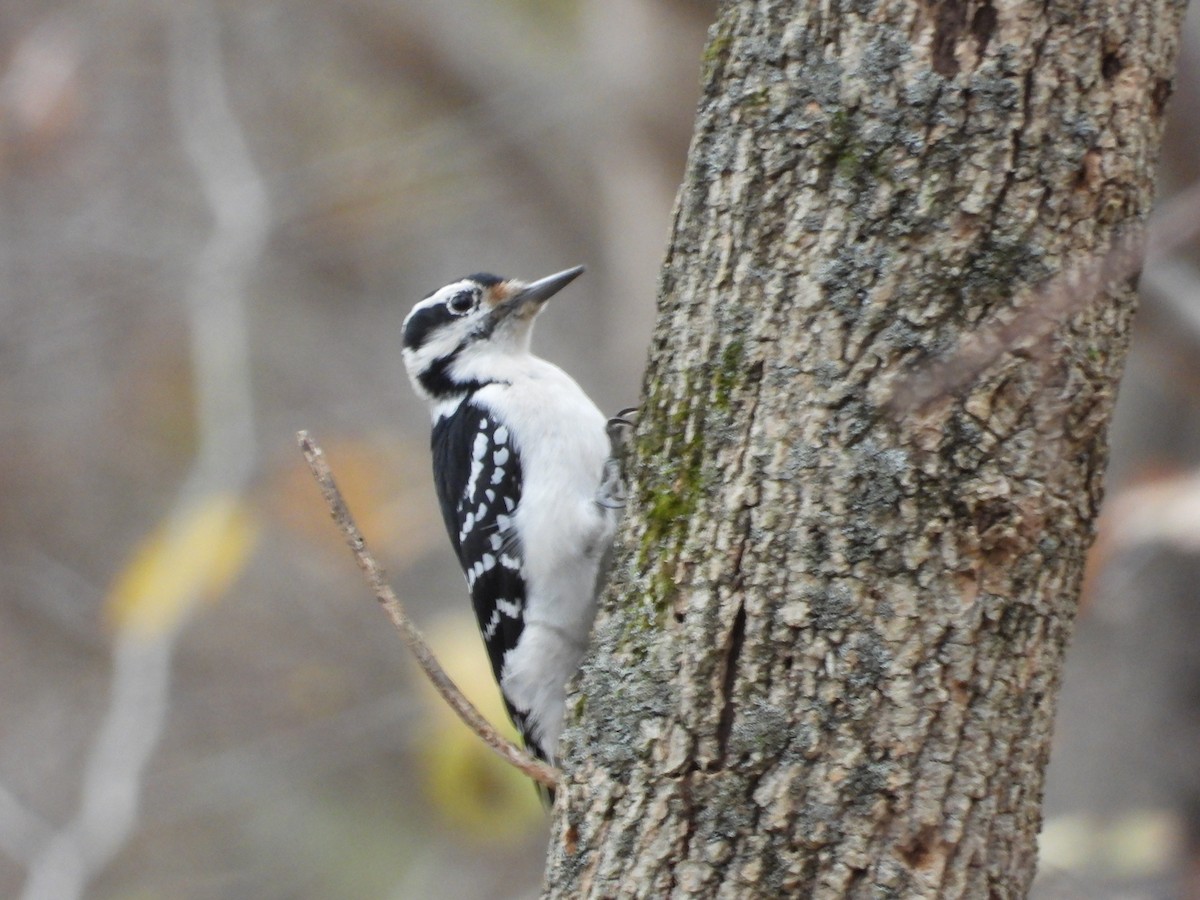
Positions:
{"x": 827, "y": 661}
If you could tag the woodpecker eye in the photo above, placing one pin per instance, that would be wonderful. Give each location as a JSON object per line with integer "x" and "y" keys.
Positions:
{"x": 461, "y": 303}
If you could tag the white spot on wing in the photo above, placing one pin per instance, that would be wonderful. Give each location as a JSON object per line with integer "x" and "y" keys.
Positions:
{"x": 510, "y": 608}
{"x": 478, "y": 451}
{"x": 489, "y": 630}
{"x": 467, "y": 525}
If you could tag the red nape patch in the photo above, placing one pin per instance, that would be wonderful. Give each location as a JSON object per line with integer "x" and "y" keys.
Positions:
{"x": 498, "y": 293}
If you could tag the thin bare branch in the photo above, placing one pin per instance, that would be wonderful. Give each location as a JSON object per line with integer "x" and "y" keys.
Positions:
{"x": 510, "y": 752}
{"x": 23, "y": 832}
{"x": 1175, "y": 285}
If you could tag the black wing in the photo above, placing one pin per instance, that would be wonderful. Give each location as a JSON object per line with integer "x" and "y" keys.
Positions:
{"x": 477, "y": 473}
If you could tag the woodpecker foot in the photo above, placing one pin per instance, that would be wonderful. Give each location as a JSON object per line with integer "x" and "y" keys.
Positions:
{"x": 611, "y": 493}
{"x": 620, "y": 427}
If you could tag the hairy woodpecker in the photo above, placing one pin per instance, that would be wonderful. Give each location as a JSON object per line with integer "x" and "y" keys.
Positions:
{"x": 528, "y": 489}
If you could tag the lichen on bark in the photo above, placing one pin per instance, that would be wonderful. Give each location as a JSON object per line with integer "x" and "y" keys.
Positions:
{"x": 827, "y": 660}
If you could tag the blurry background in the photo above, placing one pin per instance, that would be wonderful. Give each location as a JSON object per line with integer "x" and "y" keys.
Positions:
{"x": 213, "y": 218}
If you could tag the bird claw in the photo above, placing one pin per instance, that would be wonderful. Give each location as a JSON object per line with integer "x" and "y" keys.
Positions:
{"x": 611, "y": 493}
{"x": 620, "y": 427}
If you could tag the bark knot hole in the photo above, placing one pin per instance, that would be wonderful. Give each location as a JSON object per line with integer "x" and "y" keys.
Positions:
{"x": 1111, "y": 65}
{"x": 952, "y": 21}
{"x": 1163, "y": 88}
{"x": 925, "y": 849}
{"x": 983, "y": 26}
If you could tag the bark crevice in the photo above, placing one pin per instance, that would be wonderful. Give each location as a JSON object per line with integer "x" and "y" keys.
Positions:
{"x": 733, "y": 652}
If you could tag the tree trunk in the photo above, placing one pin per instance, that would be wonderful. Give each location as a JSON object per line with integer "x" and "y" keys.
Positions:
{"x": 827, "y": 662}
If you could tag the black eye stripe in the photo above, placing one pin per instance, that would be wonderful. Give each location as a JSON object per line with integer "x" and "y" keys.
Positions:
{"x": 423, "y": 322}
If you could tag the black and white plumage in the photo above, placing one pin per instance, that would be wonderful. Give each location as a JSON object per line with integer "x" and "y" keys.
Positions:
{"x": 521, "y": 462}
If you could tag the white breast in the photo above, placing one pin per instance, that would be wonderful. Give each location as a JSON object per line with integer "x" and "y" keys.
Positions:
{"x": 560, "y": 435}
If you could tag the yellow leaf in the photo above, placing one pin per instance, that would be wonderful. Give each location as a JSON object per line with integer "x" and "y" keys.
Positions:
{"x": 189, "y": 558}
{"x": 471, "y": 787}
{"x": 455, "y": 641}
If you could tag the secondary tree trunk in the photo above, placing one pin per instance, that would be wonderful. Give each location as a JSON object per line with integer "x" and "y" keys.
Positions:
{"x": 827, "y": 663}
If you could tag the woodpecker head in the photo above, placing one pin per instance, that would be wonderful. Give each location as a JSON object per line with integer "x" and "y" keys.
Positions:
{"x": 454, "y": 334}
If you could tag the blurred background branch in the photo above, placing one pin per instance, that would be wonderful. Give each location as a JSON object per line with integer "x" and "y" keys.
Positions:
{"x": 170, "y": 574}
{"x": 1174, "y": 285}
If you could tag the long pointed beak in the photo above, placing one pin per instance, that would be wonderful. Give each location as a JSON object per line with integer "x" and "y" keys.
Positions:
{"x": 544, "y": 288}
{"x": 537, "y": 293}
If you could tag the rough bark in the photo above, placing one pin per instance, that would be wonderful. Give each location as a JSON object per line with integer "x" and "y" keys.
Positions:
{"x": 827, "y": 662}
